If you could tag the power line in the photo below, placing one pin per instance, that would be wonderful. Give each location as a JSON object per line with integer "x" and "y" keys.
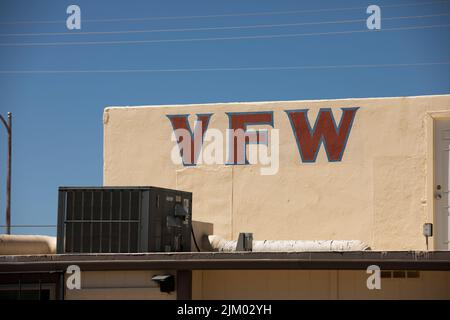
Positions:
{"x": 305, "y": 67}
{"x": 214, "y": 28}
{"x": 31, "y": 226}
{"x": 226, "y": 15}
{"x": 273, "y": 36}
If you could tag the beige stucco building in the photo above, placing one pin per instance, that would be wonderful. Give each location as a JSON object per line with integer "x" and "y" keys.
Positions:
{"x": 374, "y": 170}
{"x": 381, "y": 191}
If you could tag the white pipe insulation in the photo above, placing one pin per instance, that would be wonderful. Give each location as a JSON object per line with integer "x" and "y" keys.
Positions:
{"x": 220, "y": 244}
{"x": 26, "y": 244}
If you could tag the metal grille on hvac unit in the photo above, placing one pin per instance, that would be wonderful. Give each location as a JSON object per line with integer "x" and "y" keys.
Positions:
{"x": 118, "y": 219}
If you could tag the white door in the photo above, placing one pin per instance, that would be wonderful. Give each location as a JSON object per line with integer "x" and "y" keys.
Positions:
{"x": 441, "y": 187}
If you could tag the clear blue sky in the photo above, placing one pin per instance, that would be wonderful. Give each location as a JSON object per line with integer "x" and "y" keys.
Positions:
{"x": 58, "y": 117}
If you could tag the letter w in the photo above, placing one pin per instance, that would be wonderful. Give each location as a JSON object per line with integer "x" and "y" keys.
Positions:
{"x": 189, "y": 150}
{"x": 325, "y": 130}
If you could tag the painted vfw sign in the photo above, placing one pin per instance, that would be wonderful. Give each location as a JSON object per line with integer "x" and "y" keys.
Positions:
{"x": 201, "y": 144}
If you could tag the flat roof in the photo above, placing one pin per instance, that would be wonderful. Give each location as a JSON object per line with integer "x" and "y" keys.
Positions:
{"x": 348, "y": 260}
{"x": 262, "y": 103}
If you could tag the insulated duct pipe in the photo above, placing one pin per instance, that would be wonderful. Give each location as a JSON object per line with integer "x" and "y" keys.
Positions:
{"x": 26, "y": 244}
{"x": 220, "y": 244}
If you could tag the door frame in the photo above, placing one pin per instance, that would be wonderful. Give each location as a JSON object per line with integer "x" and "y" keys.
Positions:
{"x": 430, "y": 122}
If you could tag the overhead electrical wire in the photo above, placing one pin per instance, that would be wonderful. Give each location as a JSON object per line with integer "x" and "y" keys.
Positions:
{"x": 305, "y": 67}
{"x": 214, "y": 28}
{"x": 270, "y": 36}
{"x": 227, "y": 15}
{"x": 30, "y": 226}
{"x": 266, "y": 36}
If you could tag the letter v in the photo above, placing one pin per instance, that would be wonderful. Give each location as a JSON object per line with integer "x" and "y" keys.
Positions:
{"x": 180, "y": 122}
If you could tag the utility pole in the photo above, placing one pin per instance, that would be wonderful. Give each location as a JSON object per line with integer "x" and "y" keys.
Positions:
{"x": 8, "y": 127}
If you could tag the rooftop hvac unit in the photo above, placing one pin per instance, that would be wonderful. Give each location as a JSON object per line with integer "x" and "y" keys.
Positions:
{"x": 123, "y": 219}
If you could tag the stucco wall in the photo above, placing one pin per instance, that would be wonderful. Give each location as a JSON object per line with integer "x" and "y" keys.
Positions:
{"x": 315, "y": 284}
{"x": 377, "y": 193}
{"x": 121, "y": 285}
{"x": 263, "y": 284}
